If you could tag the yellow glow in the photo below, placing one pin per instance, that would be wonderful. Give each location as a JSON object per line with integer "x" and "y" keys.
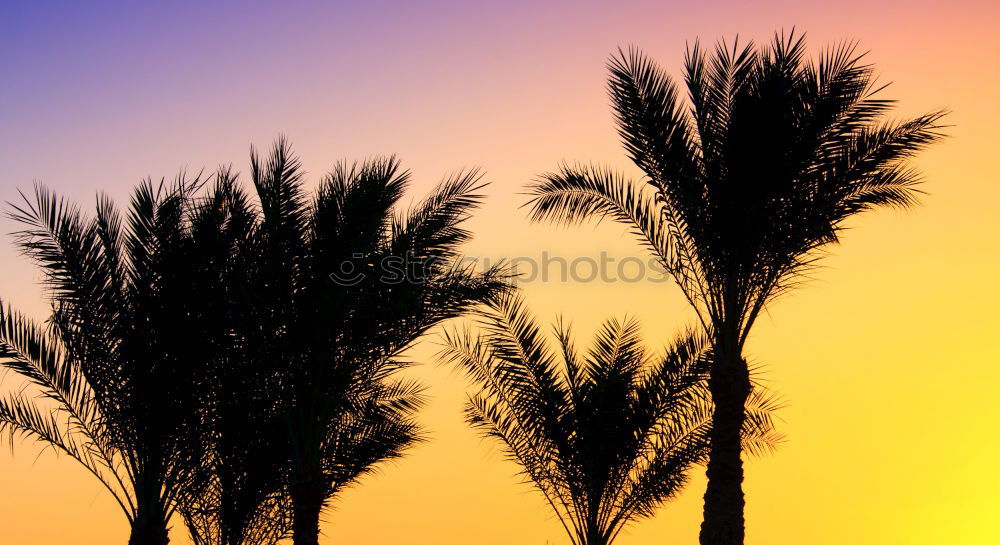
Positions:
{"x": 889, "y": 359}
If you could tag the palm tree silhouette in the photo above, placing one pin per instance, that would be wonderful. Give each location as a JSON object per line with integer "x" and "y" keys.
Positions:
{"x": 347, "y": 282}
{"x": 212, "y": 357}
{"x": 116, "y": 364}
{"x": 608, "y": 436}
{"x": 239, "y": 497}
{"x": 741, "y": 189}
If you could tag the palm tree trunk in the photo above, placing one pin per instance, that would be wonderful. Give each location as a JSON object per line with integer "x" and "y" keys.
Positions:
{"x": 729, "y": 382}
{"x": 308, "y": 495}
{"x": 595, "y": 538}
{"x": 149, "y": 527}
{"x": 148, "y": 532}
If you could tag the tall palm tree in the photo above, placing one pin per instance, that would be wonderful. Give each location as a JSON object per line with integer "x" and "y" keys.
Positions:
{"x": 348, "y": 282}
{"x": 117, "y": 362}
{"x": 239, "y": 498}
{"x": 608, "y": 436}
{"x": 742, "y": 185}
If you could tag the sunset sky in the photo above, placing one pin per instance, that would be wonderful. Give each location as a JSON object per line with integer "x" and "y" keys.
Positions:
{"x": 888, "y": 358}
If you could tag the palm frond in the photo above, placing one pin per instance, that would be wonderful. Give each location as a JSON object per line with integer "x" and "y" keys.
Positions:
{"x": 431, "y": 232}
{"x": 652, "y": 122}
{"x": 577, "y": 193}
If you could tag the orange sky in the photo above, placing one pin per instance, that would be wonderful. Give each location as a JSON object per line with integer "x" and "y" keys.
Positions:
{"x": 888, "y": 359}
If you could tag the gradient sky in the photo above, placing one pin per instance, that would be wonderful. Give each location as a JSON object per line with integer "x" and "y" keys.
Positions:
{"x": 888, "y": 358}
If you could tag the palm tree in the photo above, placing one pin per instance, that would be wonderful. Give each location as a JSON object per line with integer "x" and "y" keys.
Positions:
{"x": 741, "y": 188}
{"x": 208, "y": 360}
{"x": 606, "y": 437}
{"x": 117, "y": 362}
{"x": 239, "y": 498}
{"x": 348, "y": 282}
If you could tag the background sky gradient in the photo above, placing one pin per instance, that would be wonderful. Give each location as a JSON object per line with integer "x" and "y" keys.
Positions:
{"x": 888, "y": 358}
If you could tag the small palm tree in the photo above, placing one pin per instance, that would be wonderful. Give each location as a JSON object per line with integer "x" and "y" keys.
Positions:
{"x": 347, "y": 282}
{"x": 607, "y": 436}
{"x": 117, "y": 363}
{"x": 742, "y": 186}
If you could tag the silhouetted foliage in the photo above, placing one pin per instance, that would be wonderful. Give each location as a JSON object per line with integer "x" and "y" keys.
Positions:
{"x": 240, "y": 498}
{"x": 210, "y": 358}
{"x": 346, "y": 283}
{"x": 606, "y": 436}
{"x": 116, "y": 366}
{"x": 742, "y": 185}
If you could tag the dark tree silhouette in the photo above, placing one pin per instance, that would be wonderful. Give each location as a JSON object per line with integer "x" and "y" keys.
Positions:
{"x": 239, "y": 498}
{"x": 608, "y": 436}
{"x": 231, "y": 361}
{"x": 741, "y": 187}
{"x": 117, "y": 364}
{"x": 347, "y": 282}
